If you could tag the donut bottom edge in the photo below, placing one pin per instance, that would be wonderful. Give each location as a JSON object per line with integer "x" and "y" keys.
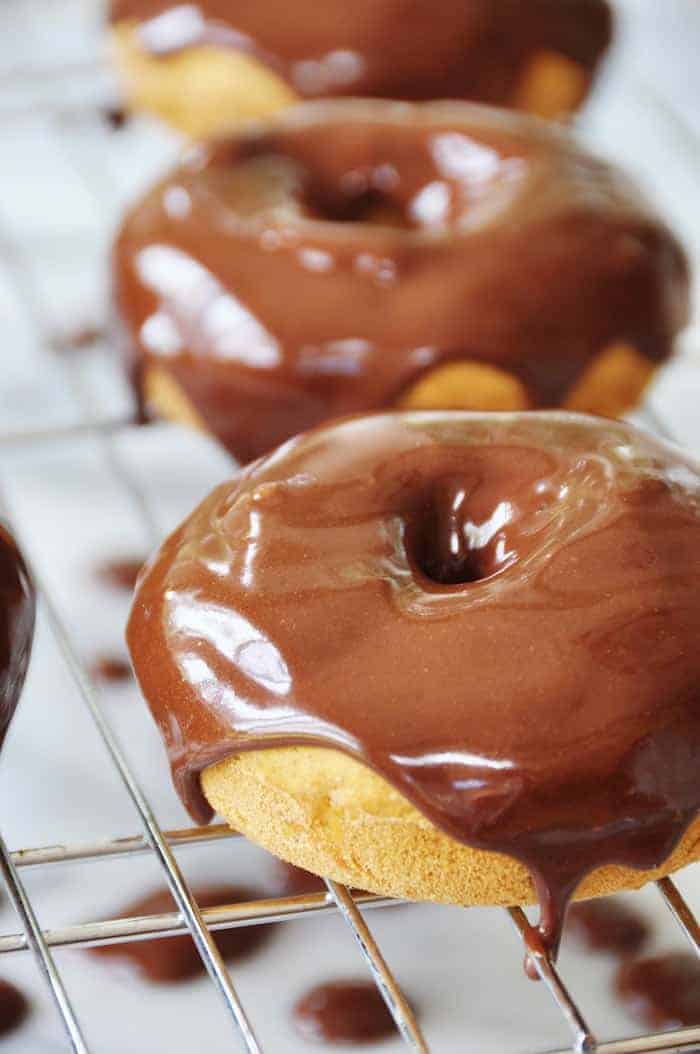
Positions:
{"x": 329, "y": 814}
{"x": 612, "y": 385}
{"x": 205, "y": 89}
{"x": 202, "y": 90}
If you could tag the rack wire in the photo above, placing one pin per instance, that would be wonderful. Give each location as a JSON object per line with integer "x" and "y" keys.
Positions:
{"x": 201, "y": 923}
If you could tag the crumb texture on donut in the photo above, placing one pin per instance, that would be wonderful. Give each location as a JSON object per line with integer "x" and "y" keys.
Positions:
{"x": 328, "y": 813}
{"x": 164, "y": 397}
{"x": 202, "y": 91}
{"x": 613, "y": 383}
{"x": 465, "y": 386}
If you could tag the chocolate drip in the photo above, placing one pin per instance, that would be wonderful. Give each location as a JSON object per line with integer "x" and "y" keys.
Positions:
{"x": 480, "y": 236}
{"x": 663, "y": 992}
{"x": 17, "y": 611}
{"x": 547, "y": 708}
{"x": 13, "y": 1007}
{"x": 607, "y": 926}
{"x": 343, "y": 1012}
{"x": 401, "y": 49}
{"x": 169, "y": 960}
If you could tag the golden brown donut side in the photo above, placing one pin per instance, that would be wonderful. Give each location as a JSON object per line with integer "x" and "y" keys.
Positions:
{"x": 331, "y": 815}
{"x": 209, "y": 66}
{"x": 354, "y": 256}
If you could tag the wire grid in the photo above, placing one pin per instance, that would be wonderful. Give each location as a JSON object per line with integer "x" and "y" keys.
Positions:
{"x": 189, "y": 918}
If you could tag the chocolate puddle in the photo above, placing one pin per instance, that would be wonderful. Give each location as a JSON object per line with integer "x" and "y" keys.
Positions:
{"x": 343, "y": 1012}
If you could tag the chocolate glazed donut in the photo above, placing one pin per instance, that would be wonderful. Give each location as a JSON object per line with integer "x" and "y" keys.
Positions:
{"x": 412, "y": 650}
{"x": 203, "y": 65}
{"x": 17, "y": 611}
{"x": 355, "y": 256}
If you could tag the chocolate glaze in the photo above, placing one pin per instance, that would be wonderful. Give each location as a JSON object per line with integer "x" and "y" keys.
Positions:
{"x": 343, "y": 1012}
{"x": 17, "y": 611}
{"x": 122, "y": 572}
{"x": 400, "y": 49}
{"x": 321, "y": 266}
{"x": 607, "y": 926}
{"x": 13, "y": 1007}
{"x": 548, "y": 707}
{"x": 663, "y": 992}
{"x": 169, "y": 960}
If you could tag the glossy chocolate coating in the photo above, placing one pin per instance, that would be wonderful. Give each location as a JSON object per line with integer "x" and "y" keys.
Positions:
{"x": 343, "y": 1012}
{"x": 663, "y": 992}
{"x": 548, "y": 707}
{"x": 322, "y": 266}
{"x": 169, "y": 960}
{"x": 13, "y": 1007}
{"x": 607, "y": 925}
{"x": 399, "y": 49}
{"x": 17, "y": 611}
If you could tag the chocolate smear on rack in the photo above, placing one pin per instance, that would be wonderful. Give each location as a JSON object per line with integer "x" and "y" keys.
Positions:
{"x": 662, "y": 992}
{"x": 608, "y": 925}
{"x": 169, "y": 960}
{"x": 121, "y": 573}
{"x": 110, "y": 669}
{"x": 14, "y": 1007}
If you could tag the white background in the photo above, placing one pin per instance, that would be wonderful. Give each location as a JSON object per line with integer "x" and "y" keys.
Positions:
{"x": 64, "y": 178}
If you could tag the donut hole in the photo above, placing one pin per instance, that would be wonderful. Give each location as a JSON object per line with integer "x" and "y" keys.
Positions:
{"x": 442, "y": 567}
{"x": 444, "y": 545}
{"x": 368, "y": 205}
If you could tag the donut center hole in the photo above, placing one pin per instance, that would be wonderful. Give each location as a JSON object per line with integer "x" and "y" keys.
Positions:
{"x": 370, "y": 206}
{"x": 445, "y": 543}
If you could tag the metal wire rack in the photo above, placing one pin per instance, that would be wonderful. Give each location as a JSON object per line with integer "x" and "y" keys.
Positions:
{"x": 189, "y": 917}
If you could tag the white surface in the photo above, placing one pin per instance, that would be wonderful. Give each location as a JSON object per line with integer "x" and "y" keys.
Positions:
{"x": 62, "y": 187}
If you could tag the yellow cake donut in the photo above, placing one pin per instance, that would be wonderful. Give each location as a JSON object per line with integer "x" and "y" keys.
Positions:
{"x": 444, "y": 656}
{"x": 331, "y": 815}
{"x": 205, "y": 69}
{"x": 355, "y": 255}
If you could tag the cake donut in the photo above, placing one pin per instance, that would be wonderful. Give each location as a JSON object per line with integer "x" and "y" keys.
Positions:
{"x": 17, "y": 611}
{"x": 441, "y": 655}
{"x": 205, "y": 67}
{"x": 358, "y": 256}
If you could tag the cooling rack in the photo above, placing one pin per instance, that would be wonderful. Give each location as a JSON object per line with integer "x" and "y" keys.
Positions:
{"x": 105, "y": 429}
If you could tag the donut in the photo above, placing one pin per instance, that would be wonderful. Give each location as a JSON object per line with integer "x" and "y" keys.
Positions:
{"x": 441, "y": 655}
{"x": 362, "y": 256}
{"x": 205, "y": 68}
{"x": 17, "y": 613}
